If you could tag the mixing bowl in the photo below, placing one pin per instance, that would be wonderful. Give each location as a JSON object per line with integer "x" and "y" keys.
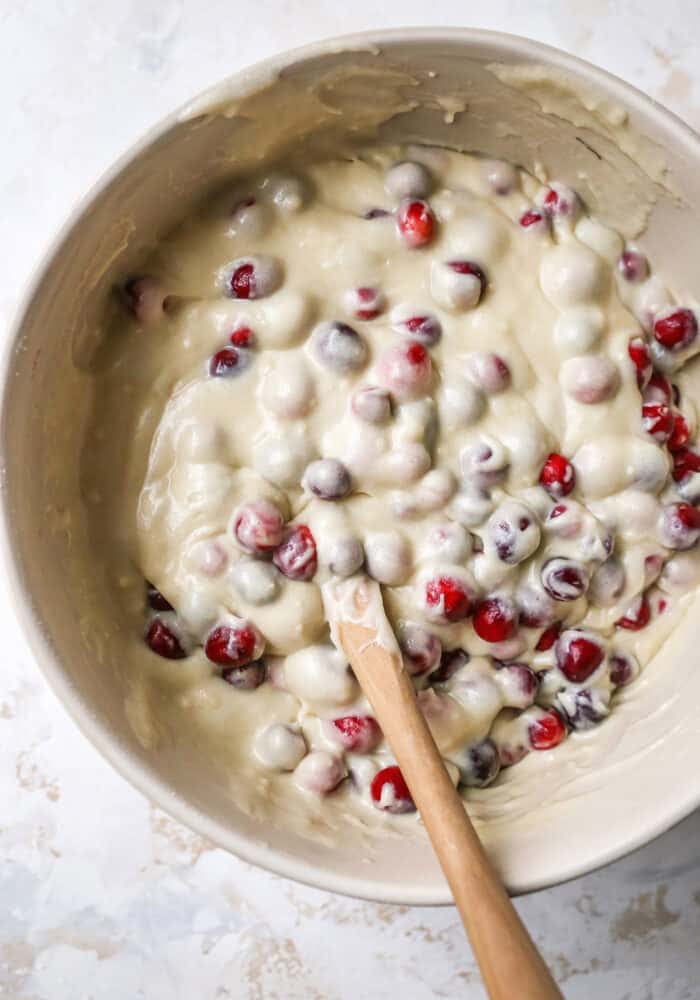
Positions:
{"x": 557, "y": 814}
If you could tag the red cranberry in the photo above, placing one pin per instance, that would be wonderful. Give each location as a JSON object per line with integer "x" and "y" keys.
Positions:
{"x": 296, "y": 556}
{"x": 548, "y": 638}
{"x": 451, "y": 661}
{"x": 685, "y": 463}
{"x": 258, "y": 527}
{"x": 557, "y": 475}
{"x": 365, "y": 303}
{"x": 253, "y": 278}
{"x": 519, "y": 683}
{"x": 680, "y": 435}
{"x": 637, "y": 615}
{"x": 327, "y": 478}
{"x": 657, "y": 420}
{"x": 495, "y": 619}
{"x": 156, "y": 600}
{"x": 640, "y": 356}
{"x": 469, "y": 267}
{"x": 390, "y": 792}
{"x": 658, "y": 389}
{"x": 447, "y": 599}
{"x": 489, "y": 371}
{"x": 680, "y": 526}
{"x": 547, "y": 730}
{"x": 228, "y": 361}
{"x": 242, "y": 336}
{"x": 339, "y": 347}
{"x": 560, "y": 200}
{"x": 564, "y": 579}
{"x": 245, "y": 678}
{"x": 633, "y": 266}
{"x": 406, "y": 370}
{"x": 371, "y": 404}
{"x": 416, "y": 223}
{"x": 480, "y": 765}
{"x": 421, "y": 649}
{"x": 537, "y": 609}
{"x": 423, "y": 327}
{"x": 534, "y": 221}
{"x": 676, "y": 329}
{"x": 578, "y": 655}
{"x": 358, "y": 733}
{"x": 583, "y": 709}
{"x": 234, "y": 645}
{"x": 163, "y": 641}
{"x": 623, "y": 669}
{"x": 513, "y": 532}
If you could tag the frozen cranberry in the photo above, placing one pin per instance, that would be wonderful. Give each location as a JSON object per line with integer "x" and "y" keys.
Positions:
{"x": 421, "y": 649}
{"x": 480, "y": 765}
{"x": 518, "y": 683}
{"x": 371, "y": 404}
{"x": 296, "y": 557}
{"x": 640, "y": 355}
{"x": 258, "y": 526}
{"x": 685, "y": 463}
{"x": 559, "y": 200}
{"x": 534, "y": 221}
{"x": 390, "y": 792}
{"x": 457, "y": 284}
{"x": 564, "y": 579}
{"x": 234, "y": 645}
{"x": 375, "y": 213}
{"x": 583, "y": 709}
{"x": 537, "y": 609}
{"x": 147, "y": 299}
{"x": 548, "y": 638}
{"x": 253, "y": 278}
{"x": 416, "y": 223}
{"x": 246, "y": 677}
{"x": 156, "y": 600}
{"x": 319, "y": 772}
{"x": 163, "y": 641}
{"x": 327, "y": 478}
{"x": 623, "y": 669}
{"x": 242, "y": 336}
{"x": 633, "y": 266}
{"x": 680, "y": 434}
{"x": 228, "y": 361}
{"x": 358, "y": 733}
{"x": 488, "y": 371}
{"x": 513, "y": 532}
{"x": 658, "y": 389}
{"x": 451, "y": 661}
{"x": 339, "y": 347}
{"x": 469, "y": 268}
{"x": 547, "y": 730}
{"x": 557, "y": 475}
{"x": 676, "y": 329}
{"x": 578, "y": 655}
{"x": 417, "y": 325}
{"x": 406, "y": 370}
{"x": 679, "y": 526}
{"x": 590, "y": 379}
{"x": 657, "y": 420}
{"x": 447, "y": 599}
{"x": 495, "y": 619}
{"x": 637, "y": 615}
{"x": 365, "y": 303}
{"x": 484, "y": 463}
{"x": 608, "y": 582}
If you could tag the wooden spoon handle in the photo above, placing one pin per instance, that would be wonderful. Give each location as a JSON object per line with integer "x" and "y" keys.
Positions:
{"x": 511, "y": 965}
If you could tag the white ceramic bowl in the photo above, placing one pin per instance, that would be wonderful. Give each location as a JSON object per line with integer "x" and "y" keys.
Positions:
{"x": 555, "y": 815}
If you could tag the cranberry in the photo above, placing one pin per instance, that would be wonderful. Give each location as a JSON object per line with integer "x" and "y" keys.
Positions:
{"x": 680, "y": 526}
{"x": 296, "y": 556}
{"x": 559, "y": 200}
{"x": 319, "y": 772}
{"x": 327, "y": 478}
{"x": 623, "y": 669}
{"x": 583, "y": 709}
{"x": 423, "y": 327}
{"x": 495, "y": 619}
{"x": 590, "y": 379}
{"x": 548, "y": 638}
{"x": 258, "y": 526}
{"x": 156, "y": 600}
{"x": 163, "y": 641}
{"x": 371, "y": 404}
{"x": 534, "y": 221}
{"x": 514, "y": 532}
{"x": 484, "y": 463}
{"x": 246, "y": 677}
{"x": 537, "y": 609}
{"x": 633, "y": 266}
{"x": 451, "y": 661}
{"x": 147, "y": 299}
{"x": 242, "y": 282}
{"x": 564, "y": 579}
{"x": 519, "y": 684}
{"x": 637, "y": 615}
{"x": 253, "y": 278}
{"x": 657, "y": 420}
{"x": 339, "y": 347}
{"x": 547, "y": 730}
{"x": 228, "y": 361}
{"x": 658, "y": 389}
{"x": 468, "y": 267}
{"x": 407, "y": 180}
{"x": 365, "y": 303}
{"x": 390, "y": 792}
{"x": 448, "y": 599}
{"x": 608, "y": 582}
{"x": 680, "y": 434}
{"x": 480, "y": 765}
{"x": 557, "y": 475}
{"x": 242, "y": 336}
{"x": 421, "y": 649}
{"x": 358, "y": 733}
{"x": 489, "y": 371}
{"x": 578, "y": 655}
{"x": 685, "y": 463}
{"x": 416, "y": 223}
{"x": 406, "y": 370}
{"x": 676, "y": 329}
{"x": 234, "y": 645}
{"x": 640, "y": 356}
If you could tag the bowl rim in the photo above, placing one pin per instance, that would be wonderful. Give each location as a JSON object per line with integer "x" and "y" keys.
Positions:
{"x": 142, "y": 776}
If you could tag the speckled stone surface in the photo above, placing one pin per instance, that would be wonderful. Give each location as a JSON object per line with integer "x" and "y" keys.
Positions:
{"x": 101, "y": 895}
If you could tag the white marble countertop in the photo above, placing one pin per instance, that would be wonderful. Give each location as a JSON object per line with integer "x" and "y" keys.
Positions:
{"x": 103, "y": 896}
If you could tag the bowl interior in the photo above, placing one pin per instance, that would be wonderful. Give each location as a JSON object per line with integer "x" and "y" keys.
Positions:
{"x": 638, "y": 168}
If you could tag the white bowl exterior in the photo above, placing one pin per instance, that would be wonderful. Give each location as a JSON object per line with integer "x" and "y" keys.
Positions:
{"x": 557, "y": 815}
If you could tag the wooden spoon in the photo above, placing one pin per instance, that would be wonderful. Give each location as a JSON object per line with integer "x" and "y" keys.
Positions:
{"x": 511, "y": 966}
